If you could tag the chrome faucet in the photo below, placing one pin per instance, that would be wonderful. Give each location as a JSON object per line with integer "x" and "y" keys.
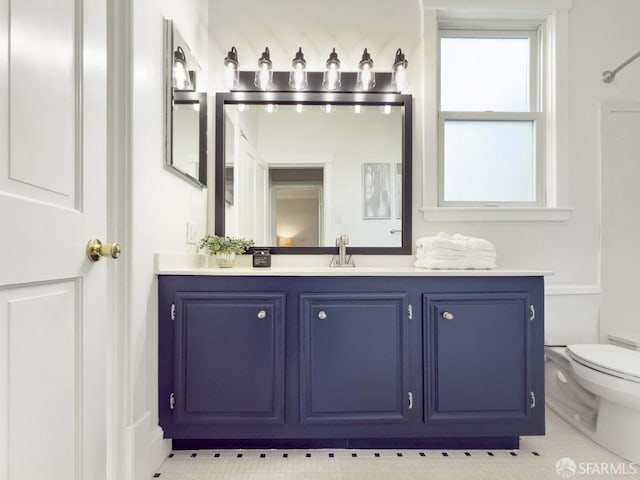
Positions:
{"x": 341, "y": 260}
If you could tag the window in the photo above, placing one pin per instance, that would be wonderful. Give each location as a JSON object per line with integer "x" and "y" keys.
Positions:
{"x": 490, "y": 121}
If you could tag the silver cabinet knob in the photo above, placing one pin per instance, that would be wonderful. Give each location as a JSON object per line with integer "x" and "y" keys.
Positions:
{"x": 262, "y": 314}
{"x": 322, "y": 315}
{"x": 448, "y": 316}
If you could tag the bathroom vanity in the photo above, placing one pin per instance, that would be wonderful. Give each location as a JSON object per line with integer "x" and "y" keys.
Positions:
{"x": 359, "y": 357}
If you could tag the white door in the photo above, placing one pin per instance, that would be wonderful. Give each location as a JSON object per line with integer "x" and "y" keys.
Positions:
{"x": 52, "y": 201}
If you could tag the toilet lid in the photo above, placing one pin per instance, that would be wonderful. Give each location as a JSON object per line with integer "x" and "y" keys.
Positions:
{"x": 609, "y": 359}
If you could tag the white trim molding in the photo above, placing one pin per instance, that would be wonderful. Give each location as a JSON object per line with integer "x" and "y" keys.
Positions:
{"x": 509, "y": 5}
{"x": 496, "y": 214}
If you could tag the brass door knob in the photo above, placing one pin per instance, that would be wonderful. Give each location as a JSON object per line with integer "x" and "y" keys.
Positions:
{"x": 96, "y": 249}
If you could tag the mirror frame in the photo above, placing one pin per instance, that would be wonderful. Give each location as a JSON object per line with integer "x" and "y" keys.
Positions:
{"x": 319, "y": 98}
{"x": 182, "y": 96}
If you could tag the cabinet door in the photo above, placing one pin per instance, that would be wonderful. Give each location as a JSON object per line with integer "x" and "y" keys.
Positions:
{"x": 229, "y": 358}
{"x": 477, "y": 357}
{"x": 354, "y": 358}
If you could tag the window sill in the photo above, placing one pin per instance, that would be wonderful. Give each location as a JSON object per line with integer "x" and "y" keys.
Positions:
{"x": 496, "y": 214}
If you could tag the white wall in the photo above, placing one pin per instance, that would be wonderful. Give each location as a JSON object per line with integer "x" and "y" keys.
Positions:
{"x": 161, "y": 205}
{"x": 602, "y": 35}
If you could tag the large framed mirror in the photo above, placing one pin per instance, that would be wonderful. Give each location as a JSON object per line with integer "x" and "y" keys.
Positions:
{"x": 185, "y": 110}
{"x": 295, "y": 170}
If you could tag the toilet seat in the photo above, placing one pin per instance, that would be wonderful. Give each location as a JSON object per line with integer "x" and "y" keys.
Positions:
{"x": 610, "y": 359}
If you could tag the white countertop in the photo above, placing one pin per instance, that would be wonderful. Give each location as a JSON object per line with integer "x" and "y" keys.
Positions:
{"x": 170, "y": 264}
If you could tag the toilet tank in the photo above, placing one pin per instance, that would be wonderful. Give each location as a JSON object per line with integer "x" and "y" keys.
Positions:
{"x": 571, "y": 314}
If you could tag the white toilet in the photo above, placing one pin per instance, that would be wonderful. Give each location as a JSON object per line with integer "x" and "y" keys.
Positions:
{"x": 595, "y": 387}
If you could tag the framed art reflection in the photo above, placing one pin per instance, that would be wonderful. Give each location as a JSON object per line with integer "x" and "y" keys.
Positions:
{"x": 376, "y": 191}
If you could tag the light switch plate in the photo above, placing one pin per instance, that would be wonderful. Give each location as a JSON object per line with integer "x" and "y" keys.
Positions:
{"x": 192, "y": 233}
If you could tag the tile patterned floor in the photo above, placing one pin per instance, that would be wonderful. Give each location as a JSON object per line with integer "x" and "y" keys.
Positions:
{"x": 537, "y": 458}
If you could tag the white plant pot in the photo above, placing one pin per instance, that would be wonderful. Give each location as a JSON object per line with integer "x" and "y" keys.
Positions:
{"x": 225, "y": 260}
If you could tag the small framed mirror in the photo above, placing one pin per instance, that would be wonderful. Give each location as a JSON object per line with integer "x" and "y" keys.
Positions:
{"x": 185, "y": 110}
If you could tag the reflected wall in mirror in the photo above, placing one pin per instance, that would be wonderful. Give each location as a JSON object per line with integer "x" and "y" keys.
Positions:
{"x": 185, "y": 110}
{"x": 295, "y": 171}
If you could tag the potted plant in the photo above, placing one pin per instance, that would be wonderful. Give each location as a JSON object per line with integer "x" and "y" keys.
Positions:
{"x": 225, "y": 248}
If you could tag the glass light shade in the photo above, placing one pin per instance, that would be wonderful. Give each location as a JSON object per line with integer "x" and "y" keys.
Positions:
{"x": 298, "y": 74}
{"x": 181, "y": 79}
{"x": 264, "y": 74}
{"x": 331, "y": 79}
{"x": 231, "y": 70}
{"x": 366, "y": 78}
{"x": 399, "y": 78}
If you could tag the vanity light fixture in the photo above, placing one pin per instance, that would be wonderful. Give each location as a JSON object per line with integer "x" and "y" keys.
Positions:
{"x": 264, "y": 74}
{"x": 298, "y": 75}
{"x": 181, "y": 78}
{"x": 399, "y": 79}
{"x": 331, "y": 78}
{"x": 231, "y": 69}
{"x": 366, "y": 78}
{"x": 300, "y": 79}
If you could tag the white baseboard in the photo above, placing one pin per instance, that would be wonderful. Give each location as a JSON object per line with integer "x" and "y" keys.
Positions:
{"x": 159, "y": 448}
{"x": 145, "y": 449}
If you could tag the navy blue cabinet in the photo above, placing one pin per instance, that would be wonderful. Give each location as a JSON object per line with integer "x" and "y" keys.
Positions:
{"x": 354, "y": 358}
{"x": 228, "y": 358}
{"x": 478, "y": 362}
{"x": 284, "y": 361}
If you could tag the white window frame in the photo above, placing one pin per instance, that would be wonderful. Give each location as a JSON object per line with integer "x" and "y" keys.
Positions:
{"x": 552, "y": 18}
{"x": 534, "y": 115}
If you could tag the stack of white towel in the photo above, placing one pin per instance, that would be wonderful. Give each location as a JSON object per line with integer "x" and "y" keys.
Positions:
{"x": 457, "y": 251}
